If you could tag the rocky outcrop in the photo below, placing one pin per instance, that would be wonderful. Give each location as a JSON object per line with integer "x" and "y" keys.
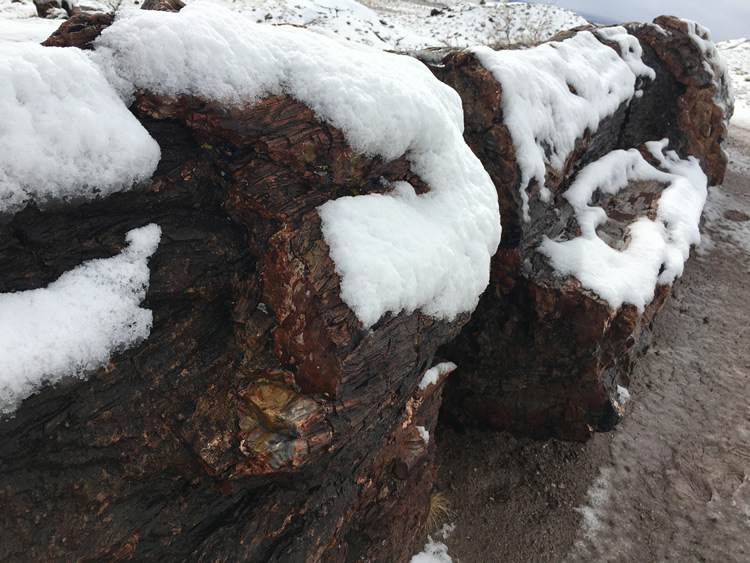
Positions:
{"x": 543, "y": 355}
{"x": 260, "y": 421}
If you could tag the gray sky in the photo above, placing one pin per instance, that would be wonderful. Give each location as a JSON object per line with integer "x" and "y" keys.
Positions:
{"x": 727, "y": 19}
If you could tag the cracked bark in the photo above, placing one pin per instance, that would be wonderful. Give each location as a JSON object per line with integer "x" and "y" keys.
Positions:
{"x": 542, "y": 356}
{"x": 259, "y": 421}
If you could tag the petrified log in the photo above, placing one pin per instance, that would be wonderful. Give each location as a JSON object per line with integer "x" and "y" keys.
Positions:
{"x": 544, "y": 355}
{"x": 258, "y": 421}
{"x": 217, "y": 437}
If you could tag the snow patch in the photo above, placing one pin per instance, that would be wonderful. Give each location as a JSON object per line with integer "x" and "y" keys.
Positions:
{"x": 715, "y": 66}
{"x": 736, "y": 54}
{"x": 622, "y": 395}
{"x": 30, "y": 29}
{"x": 446, "y": 531}
{"x": 394, "y": 252}
{"x": 630, "y": 48}
{"x": 65, "y": 134}
{"x": 433, "y": 375}
{"x": 19, "y": 9}
{"x": 434, "y": 552}
{"x": 424, "y": 434}
{"x": 388, "y": 24}
{"x": 553, "y": 93}
{"x": 597, "y": 498}
{"x": 75, "y": 324}
{"x": 657, "y": 249}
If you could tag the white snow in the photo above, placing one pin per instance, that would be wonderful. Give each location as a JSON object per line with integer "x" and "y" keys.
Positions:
{"x": 597, "y": 498}
{"x": 389, "y": 24}
{"x": 736, "y": 54}
{"x": 21, "y": 9}
{"x": 65, "y": 134}
{"x": 446, "y": 531}
{"x": 434, "y": 552}
{"x": 75, "y": 324}
{"x": 717, "y": 67}
{"x": 33, "y": 29}
{"x": 424, "y": 434}
{"x": 394, "y": 252}
{"x": 433, "y": 375}
{"x": 657, "y": 249}
{"x": 630, "y": 48}
{"x": 553, "y": 93}
{"x": 622, "y": 395}
{"x": 385, "y": 24}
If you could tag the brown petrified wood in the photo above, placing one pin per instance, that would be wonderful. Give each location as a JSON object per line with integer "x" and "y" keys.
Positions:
{"x": 259, "y": 421}
{"x": 541, "y": 355}
{"x": 79, "y": 30}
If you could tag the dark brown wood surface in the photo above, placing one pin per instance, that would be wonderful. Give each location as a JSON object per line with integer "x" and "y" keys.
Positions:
{"x": 259, "y": 421}
{"x": 541, "y": 356}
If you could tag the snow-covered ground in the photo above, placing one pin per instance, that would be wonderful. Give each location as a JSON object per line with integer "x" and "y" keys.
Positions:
{"x": 386, "y": 24}
{"x": 736, "y": 54}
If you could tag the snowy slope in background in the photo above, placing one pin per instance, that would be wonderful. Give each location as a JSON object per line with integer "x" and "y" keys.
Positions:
{"x": 417, "y": 25}
{"x": 386, "y": 24}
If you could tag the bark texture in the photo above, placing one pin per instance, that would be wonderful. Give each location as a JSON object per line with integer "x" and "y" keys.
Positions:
{"x": 541, "y": 355}
{"x": 258, "y": 421}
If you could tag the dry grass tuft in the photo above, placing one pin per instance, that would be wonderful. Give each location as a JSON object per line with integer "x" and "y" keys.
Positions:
{"x": 440, "y": 509}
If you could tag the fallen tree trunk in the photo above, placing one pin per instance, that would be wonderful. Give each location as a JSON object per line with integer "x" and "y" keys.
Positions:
{"x": 544, "y": 355}
{"x": 260, "y": 420}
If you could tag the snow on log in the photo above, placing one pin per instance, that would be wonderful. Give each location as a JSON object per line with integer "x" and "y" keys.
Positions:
{"x": 271, "y": 414}
{"x": 601, "y": 145}
{"x": 85, "y": 142}
{"x": 324, "y": 232}
{"x": 74, "y": 325}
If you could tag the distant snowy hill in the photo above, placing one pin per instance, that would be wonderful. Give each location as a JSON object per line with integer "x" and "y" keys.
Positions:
{"x": 386, "y": 24}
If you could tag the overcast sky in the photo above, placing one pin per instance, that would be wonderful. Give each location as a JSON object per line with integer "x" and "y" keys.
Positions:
{"x": 727, "y": 19}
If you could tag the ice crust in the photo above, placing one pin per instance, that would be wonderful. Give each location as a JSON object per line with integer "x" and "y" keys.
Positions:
{"x": 75, "y": 324}
{"x": 554, "y": 92}
{"x": 657, "y": 250}
{"x": 65, "y": 133}
{"x": 394, "y": 252}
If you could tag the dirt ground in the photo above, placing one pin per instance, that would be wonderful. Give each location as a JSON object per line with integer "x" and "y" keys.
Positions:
{"x": 672, "y": 482}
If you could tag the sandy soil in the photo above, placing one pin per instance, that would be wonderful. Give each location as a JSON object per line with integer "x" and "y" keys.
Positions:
{"x": 672, "y": 482}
